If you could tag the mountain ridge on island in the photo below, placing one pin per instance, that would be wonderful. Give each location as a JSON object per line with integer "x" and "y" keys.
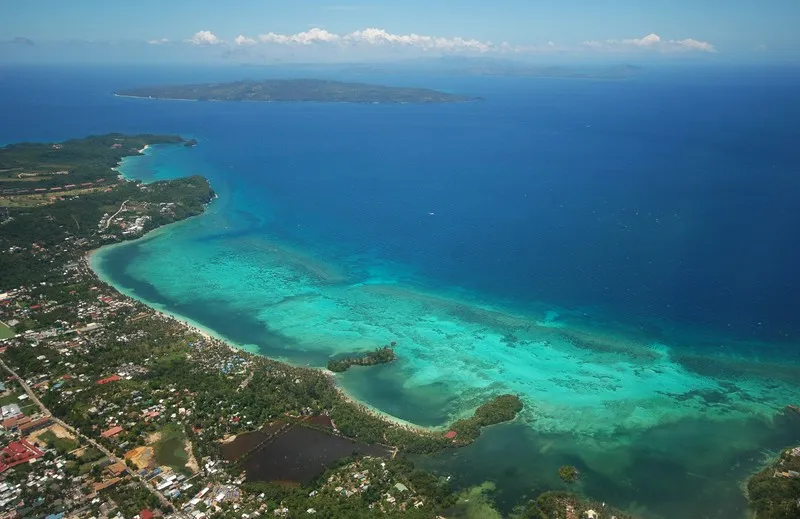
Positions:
{"x": 296, "y": 90}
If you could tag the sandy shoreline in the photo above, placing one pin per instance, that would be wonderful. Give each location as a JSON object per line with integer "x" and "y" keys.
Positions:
{"x": 212, "y": 335}
{"x": 375, "y": 412}
{"x": 118, "y": 168}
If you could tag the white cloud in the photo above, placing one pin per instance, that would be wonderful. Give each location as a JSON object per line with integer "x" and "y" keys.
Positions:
{"x": 204, "y": 38}
{"x": 371, "y": 36}
{"x": 377, "y": 39}
{"x": 651, "y": 42}
{"x": 692, "y": 44}
{"x": 315, "y": 35}
{"x": 161, "y": 41}
{"x": 243, "y": 40}
{"x": 374, "y": 36}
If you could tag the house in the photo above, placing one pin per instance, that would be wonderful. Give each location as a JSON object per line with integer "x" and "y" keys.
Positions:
{"x": 591, "y": 514}
{"x": 16, "y": 422}
{"x": 17, "y": 453}
{"x": 11, "y": 411}
{"x": 451, "y": 435}
{"x": 110, "y": 433}
{"x": 112, "y": 378}
{"x": 146, "y": 514}
{"x": 117, "y": 469}
{"x": 106, "y": 484}
{"x": 33, "y": 425}
{"x": 401, "y": 487}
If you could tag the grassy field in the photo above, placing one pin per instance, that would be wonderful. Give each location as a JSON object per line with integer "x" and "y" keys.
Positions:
{"x": 13, "y": 397}
{"x": 5, "y": 331}
{"x": 60, "y": 444}
{"x": 9, "y": 399}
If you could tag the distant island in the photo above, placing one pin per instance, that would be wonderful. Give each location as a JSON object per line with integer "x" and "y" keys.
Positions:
{"x": 296, "y": 90}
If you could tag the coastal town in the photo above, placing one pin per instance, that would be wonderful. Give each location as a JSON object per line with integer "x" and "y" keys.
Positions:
{"x": 105, "y": 417}
{"x": 111, "y": 409}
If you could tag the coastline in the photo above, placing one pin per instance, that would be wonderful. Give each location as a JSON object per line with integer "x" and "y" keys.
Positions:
{"x": 211, "y": 334}
{"x": 153, "y": 98}
{"x": 606, "y": 342}
{"x": 399, "y": 422}
{"x": 118, "y": 169}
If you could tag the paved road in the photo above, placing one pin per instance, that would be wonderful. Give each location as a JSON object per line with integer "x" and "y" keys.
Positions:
{"x": 27, "y": 389}
{"x": 121, "y": 208}
{"x": 45, "y": 411}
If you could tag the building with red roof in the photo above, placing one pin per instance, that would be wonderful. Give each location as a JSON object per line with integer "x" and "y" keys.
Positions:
{"x": 110, "y": 433}
{"x": 146, "y": 514}
{"x": 17, "y": 421}
{"x": 112, "y": 378}
{"x": 17, "y": 453}
{"x": 33, "y": 425}
{"x": 106, "y": 484}
{"x": 450, "y": 435}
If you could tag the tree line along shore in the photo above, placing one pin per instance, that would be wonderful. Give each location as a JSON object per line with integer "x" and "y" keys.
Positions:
{"x": 132, "y": 379}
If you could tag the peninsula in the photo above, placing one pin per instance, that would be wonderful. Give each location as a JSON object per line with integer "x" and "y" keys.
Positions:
{"x": 296, "y": 90}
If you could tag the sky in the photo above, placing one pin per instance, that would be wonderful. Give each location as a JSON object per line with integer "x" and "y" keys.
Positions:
{"x": 308, "y": 30}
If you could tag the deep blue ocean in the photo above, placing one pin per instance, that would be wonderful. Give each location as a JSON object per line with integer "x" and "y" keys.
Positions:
{"x": 670, "y": 197}
{"x": 617, "y": 215}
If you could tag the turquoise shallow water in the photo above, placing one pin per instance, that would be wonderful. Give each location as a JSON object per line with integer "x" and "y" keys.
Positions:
{"x": 617, "y": 253}
{"x": 659, "y": 428}
{"x": 455, "y": 349}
